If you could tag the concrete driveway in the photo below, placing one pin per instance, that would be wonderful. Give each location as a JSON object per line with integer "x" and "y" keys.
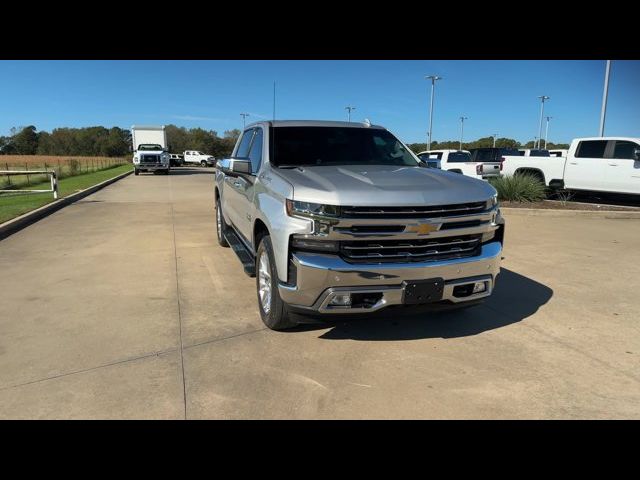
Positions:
{"x": 123, "y": 306}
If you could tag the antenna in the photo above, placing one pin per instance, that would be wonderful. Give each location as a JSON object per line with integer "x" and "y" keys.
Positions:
{"x": 274, "y": 99}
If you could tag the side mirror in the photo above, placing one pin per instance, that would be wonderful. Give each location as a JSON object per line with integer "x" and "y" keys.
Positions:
{"x": 636, "y": 154}
{"x": 241, "y": 165}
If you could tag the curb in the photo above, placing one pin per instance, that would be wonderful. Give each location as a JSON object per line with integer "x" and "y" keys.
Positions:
{"x": 539, "y": 212}
{"x": 16, "y": 224}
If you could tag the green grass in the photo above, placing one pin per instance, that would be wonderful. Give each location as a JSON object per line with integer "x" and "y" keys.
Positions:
{"x": 523, "y": 187}
{"x": 13, "y": 205}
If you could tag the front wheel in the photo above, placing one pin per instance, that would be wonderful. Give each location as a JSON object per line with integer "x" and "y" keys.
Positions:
{"x": 273, "y": 310}
{"x": 203, "y": 163}
{"x": 220, "y": 226}
{"x": 136, "y": 171}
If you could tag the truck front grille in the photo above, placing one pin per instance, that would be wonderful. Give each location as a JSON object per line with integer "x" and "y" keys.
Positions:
{"x": 150, "y": 159}
{"x": 418, "y": 250}
{"x": 414, "y": 212}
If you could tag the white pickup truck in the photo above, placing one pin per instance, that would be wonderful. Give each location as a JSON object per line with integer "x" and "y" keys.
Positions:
{"x": 195, "y": 157}
{"x": 601, "y": 164}
{"x": 459, "y": 161}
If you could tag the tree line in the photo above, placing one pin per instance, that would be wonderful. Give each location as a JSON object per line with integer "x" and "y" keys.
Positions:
{"x": 116, "y": 142}
{"x": 482, "y": 143}
{"x": 110, "y": 142}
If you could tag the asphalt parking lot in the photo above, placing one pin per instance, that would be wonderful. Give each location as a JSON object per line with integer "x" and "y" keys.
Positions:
{"x": 123, "y": 306}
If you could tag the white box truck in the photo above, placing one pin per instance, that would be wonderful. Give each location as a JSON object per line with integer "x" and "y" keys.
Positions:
{"x": 150, "y": 152}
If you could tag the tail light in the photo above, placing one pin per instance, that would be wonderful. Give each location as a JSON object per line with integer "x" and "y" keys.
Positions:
{"x": 501, "y": 161}
{"x": 479, "y": 169}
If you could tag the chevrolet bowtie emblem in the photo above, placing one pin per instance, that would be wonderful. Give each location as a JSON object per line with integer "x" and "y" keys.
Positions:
{"x": 422, "y": 228}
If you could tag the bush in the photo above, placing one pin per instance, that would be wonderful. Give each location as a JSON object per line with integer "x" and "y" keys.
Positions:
{"x": 523, "y": 187}
{"x": 74, "y": 167}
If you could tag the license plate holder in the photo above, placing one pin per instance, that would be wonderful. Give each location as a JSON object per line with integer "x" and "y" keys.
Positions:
{"x": 416, "y": 292}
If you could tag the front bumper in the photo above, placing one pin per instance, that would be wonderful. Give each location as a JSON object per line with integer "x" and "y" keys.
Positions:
{"x": 151, "y": 166}
{"x": 319, "y": 277}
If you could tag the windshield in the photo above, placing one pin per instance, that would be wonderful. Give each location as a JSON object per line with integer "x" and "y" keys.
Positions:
{"x": 296, "y": 146}
{"x": 149, "y": 146}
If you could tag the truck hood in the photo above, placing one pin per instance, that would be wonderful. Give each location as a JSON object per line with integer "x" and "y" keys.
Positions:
{"x": 382, "y": 185}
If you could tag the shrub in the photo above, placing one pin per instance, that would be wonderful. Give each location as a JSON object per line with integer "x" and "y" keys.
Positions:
{"x": 74, "y": 167}
{"x": 523, "y": 187}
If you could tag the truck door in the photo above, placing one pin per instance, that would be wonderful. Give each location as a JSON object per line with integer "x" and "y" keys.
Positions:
{"x": 587, "y": 168}
{"x": 234, "y": 184}
{"x": 623, "y": 170}
{"x": 246, "y": 187}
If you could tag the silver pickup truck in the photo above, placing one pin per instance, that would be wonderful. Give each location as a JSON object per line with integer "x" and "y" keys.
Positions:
{"x": 339, "y": 218}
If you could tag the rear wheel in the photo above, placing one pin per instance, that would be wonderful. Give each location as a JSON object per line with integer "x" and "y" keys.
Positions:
{"x": 221, "y": 226}
{"x": 273, "y": 310}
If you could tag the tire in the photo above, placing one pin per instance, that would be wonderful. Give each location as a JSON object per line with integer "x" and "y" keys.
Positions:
{"x": 273, "y": 310}
{"x": 136, "y": 171}
{"x": 203, "y": 163}
{"x": 221, "y": 225}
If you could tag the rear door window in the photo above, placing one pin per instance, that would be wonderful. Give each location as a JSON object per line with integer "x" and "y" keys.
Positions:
{"x": 459, "y": 157}
{"x": 591, "y": 149}
{"x": 624, "y": 149}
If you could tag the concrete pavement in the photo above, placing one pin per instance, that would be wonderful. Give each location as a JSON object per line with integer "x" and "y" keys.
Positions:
{"x": 123, "y": 306}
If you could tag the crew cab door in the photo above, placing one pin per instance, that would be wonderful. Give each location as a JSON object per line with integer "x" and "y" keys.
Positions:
{"x": 245, "y": 186}
{"x": 624, "y": 168}
{"x": 587, "y": 168}
{"x": 235, "y": 186}
{"x": 188, "y": 157}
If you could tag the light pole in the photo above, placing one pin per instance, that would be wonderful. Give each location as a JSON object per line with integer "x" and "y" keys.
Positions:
{"x": 543, "y": 98}
{"x": 433, "y": 79}
{"x": 494, "y": 139}
{"x": 244, "y": 118}
{"x": 349, "y": 108}
{"x": 546, "y": 132}
{"x": 605, "y": 95}
{"x": 462, "y": 119}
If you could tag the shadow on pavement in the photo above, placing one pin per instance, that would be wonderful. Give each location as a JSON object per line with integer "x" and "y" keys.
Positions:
{"x": 192, "y": 171}
{"x": 515, "y": 298}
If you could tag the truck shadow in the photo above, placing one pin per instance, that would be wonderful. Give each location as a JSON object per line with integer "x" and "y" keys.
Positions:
{"x": 177, "y": 171}
{"x": 515, "y": 298}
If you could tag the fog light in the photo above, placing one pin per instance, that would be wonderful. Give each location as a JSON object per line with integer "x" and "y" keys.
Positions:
{"x": 479, "y": 287}
{"x": 341, "y": 300}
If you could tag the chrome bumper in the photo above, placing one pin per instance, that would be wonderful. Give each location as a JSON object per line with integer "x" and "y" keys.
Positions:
{"x": 320, "y": 277}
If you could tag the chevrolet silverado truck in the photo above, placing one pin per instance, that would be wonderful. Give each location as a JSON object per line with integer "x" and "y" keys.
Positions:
{"x": 597, "y": 164}
{"x": 336, "y": 218}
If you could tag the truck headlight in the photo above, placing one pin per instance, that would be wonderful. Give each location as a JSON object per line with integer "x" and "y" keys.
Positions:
{"x": 492, "y": 202}
{"x": 307, "y": 209}
{"x": 313, "y": 245}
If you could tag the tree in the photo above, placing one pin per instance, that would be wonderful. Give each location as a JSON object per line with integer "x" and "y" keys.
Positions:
{"x": 26, "y": 142}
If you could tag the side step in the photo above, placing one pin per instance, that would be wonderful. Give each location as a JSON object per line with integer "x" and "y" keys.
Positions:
{"x": 248, "y": 261}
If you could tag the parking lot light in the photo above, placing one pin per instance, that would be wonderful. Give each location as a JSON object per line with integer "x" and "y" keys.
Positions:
{"x": 605, "y": 95}
{"x": 244, "y": 116}
{"x": 546, "y": 133}
{"x": 462, "y": 119}
{"x": 543, "y": 98}
{"x": 433, "y": 79}
{"x": 349, "y": 108}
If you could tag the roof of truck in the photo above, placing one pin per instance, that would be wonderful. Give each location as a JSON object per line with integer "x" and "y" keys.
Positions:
{"x": 315, "y": 123}
{"x": 630, "y": 139}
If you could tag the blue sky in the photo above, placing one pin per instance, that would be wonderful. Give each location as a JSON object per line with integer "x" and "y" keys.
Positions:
{"x": 496, "y": 96}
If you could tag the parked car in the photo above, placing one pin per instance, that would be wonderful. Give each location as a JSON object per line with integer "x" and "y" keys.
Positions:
{"x": 176, "y": 159}
{"x": 336, "y": 218}
{"x": 194, "y": 157}
{"x": 602, "y": 164}
{"x": 491, "y": 154}
{"x": 459, "y": 161}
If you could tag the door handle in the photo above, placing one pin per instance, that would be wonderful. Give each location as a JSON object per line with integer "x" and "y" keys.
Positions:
{"x": 237, "y": 184}
{"x": 573, "y": 163}
{"x": 613, "y": 164}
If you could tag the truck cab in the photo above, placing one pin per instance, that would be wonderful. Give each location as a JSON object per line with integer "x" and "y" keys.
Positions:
{"x": 460, "y": 161}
